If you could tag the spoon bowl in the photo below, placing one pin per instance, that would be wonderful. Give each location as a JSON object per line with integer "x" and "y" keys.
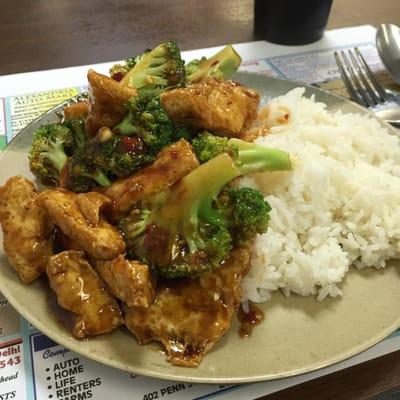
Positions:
{"x": 388, "y": 45}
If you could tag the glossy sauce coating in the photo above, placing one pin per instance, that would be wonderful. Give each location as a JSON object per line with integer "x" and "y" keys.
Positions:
{"x": 80, "y": 290}
{"x": 128, "y": 280}
{"x": 70, "y": 212}
{"x": 225, "y": 107}
{"x": 171, "y": 164}
{"x": 188, "y": 316}
{"x": 249, "y": 320}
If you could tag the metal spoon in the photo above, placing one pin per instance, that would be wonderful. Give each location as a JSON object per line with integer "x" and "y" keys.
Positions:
{"x": 388, "y": 45}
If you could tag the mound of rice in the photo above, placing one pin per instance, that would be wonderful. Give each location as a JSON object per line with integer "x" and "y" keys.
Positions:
{"x": 340, "y": 206}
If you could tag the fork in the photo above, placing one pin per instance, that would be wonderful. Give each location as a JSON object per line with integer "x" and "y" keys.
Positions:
{"x": 364, "y": 88}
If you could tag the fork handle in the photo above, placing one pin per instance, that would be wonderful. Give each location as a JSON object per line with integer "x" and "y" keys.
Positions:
{"x": 396, "y": 124}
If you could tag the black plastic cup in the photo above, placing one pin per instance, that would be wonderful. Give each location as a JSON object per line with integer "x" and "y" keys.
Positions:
{"x": 291, "y": 22}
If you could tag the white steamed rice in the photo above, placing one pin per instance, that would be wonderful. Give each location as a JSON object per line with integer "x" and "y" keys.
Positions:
{"x": 339, "y": 206}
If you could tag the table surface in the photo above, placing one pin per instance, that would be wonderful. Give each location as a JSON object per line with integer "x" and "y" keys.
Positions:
{"x": 42, "y": 34}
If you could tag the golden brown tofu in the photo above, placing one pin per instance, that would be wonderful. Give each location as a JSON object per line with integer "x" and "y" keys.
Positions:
{"x": 80, "y": 290}
{"x": 188, "y": 316}
{"x": 100, "y": 241}
{"x": 106, "y": 101}
{"x": 128, "y": 280}
{"x": 171, "y": 164}
{"x": 224, "y": 107}
{"x": 76, "y": 110}
{"x": 26, "y": 228}
{"x": 91, "y": 204}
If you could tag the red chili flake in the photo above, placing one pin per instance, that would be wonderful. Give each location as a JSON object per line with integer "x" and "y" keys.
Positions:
{"x": 131, "y": 145}
{"x": 117, "y": 76}
{"x": 155, "y": 241}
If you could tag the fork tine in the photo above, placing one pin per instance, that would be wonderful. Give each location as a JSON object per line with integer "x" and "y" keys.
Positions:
{"x": 370, "y": 90}
{"x": 362, "y": 92}
{"x": 347, "y": 82}
{"x": 377, "y": 86}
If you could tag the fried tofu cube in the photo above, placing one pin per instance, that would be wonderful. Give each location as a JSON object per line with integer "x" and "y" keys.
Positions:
{"x": 80, "y": 290}
{"x": 72, "y": 213}
{"x": 128, "y": 280}
{"x": 171, "y": 164}
{"x": 27, "y": 231}
{"x": 76, "y": 110}
{"x": 223, "y": 107}
{"x": 188, "y": 316}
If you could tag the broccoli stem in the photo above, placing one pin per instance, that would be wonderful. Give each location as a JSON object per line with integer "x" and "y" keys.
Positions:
{"x": 201, "y": 192}
{"x": 152, "y": 63}
{"x": 148, "y": 77}
{"x": 126, "y": 127}
{"x": 221, "y": 65}
{"x": 57, "y": 157}
{"x": 254, "y": 158}
{"x": 141, "y": 225}
{"x": 196, "y": 192}
{"x": 193, "y": 197}
{"x": 99, "y": 177}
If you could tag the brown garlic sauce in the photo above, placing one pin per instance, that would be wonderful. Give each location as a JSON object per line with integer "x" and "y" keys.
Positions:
{"x": 254, "y": 317}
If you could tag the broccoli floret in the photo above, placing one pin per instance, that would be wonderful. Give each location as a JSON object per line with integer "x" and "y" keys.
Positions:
{"x": 118, "y": 155}
{"x": 103, "y": 159}
{"x": 49, "y": 152}
{"x": 216, "y": 243}
{"x": 156, "y": 70}
{"x": 207, "y": 146}
{"x": 118, "y": 71}
{"x": 147, "y": 120}
{"x": 245, "y": 212}
{"x": 132, "y": 61}
{"x": 135, "y": 223}
{"x": 184, "y": 232}
{"x": 82, "y": 173}
{"x": 77, "y": 128}
{"x": 221, "y": 65}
